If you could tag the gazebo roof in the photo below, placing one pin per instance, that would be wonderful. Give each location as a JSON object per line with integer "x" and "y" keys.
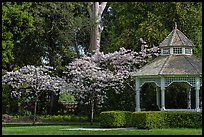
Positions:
{"x": 176, "y": 38}
{"x": 171, "y": 65}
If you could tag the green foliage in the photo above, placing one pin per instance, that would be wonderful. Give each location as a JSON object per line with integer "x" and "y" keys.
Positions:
{"x": 9, "y": 103}
{"x": 148, "y": 95}
{"x": 60, "y": 28}
{"x": 190, "y": 20}
{"x": 115, "y": 118}
{"x": 173, "y": 94}
{"x": 148, "y": 120}
{"x": 66, "y": 97}
{"x": 184, "y": 119}
{"x": 153, "y": 21}
{"x": 123, "y": 100}
{"x": 63, "y": 118}
{"x": 17, "y": 22}
{"x": 23, "y": 112}
{"x": 151, "y": 119}
{"x": 5, "y": 99}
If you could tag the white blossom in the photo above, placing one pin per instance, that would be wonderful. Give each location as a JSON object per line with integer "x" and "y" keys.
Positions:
{"x": 37, "y": 78}
{"x": 99, "y": 72}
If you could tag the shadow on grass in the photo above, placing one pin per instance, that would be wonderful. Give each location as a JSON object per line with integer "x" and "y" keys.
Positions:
{"x": 82, "y": 124}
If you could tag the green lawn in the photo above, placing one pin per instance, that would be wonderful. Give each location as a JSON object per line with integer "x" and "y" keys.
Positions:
{"x": 57, "y": 130}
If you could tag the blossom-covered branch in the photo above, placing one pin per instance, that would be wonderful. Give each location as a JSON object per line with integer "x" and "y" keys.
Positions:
{"x": 37, "y": 78}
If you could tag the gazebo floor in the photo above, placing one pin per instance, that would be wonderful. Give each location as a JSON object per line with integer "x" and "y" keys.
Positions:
{"x": 192, "y": 110}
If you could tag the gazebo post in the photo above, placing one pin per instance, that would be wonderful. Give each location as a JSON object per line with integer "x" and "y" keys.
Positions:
{"x": 197, "y": 88}
{"x": 162, "y": 93}
{"x": 158, "y": 97}
{"x": 189, "y": 97}
{"x": 137, "y": 96}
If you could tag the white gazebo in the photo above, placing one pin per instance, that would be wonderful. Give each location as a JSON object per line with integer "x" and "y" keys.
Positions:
{"x": 176, "y": 63}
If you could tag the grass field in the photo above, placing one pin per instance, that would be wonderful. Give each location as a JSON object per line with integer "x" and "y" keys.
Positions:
{"x": 59, "y": 130}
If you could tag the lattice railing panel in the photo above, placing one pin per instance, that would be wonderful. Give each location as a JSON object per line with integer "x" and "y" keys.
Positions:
{"x": 147, "y": 80}
{"x": 169, "y": 80}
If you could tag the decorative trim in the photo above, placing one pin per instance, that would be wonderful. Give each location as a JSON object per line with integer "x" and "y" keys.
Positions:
{"x": 149, "y": 80}
{"x": 169, "y": 80}
{"x": 189, "y": 80}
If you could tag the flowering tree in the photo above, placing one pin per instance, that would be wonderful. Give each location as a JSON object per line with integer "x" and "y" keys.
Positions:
{"x": 94, "y": 75}
{"x": 37, "y": 78}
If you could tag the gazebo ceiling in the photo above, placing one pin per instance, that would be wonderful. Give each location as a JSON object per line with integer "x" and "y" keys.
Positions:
{"x": 171, "y": 65}
{"x": 176, "y": 38}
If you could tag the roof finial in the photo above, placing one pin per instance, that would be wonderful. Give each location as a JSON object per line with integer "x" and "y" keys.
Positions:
{"x": 175, "y": 25}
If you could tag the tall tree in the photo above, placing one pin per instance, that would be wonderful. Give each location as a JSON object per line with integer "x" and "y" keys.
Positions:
{"x": 17, "y": 22}
{"x": 60, "y": 29}
{"x": 190, "y": 19}
{"x": 95, "y": 11}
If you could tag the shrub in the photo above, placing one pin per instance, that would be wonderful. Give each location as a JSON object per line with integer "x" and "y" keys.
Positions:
{"x": 148, "y": 120}
{"x": 61, "y": 118}
{"x": 184, "y": 119}
{"x": 151, "y": 119}
{"x": 115, "y": 119}
{"x": 24, "y": 112}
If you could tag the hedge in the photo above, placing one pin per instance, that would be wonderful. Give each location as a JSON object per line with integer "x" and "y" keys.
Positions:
{"x": 115, "y": 119}
{"x": 184, "y": 119}
{"x": 61, "y": 118}
{"x": 151, "y": 119}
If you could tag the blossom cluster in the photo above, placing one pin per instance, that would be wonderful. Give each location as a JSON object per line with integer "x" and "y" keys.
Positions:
{"x": 99, "y": 72}
{"x": 37, "y": 78}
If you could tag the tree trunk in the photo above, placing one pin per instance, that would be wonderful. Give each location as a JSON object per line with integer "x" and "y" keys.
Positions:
{"x": 95, "y": 12}
{"x": 92, "y": 111}
{"x": 35, "y": 110}
{"x": 52, "y": 98}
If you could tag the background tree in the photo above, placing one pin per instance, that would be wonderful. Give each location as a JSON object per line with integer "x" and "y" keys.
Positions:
{"x": 126, "y": 22}
{"x": 17, "y": 22}
{"x": 54, "y": 39}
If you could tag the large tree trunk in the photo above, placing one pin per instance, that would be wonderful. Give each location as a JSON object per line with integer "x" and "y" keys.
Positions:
{"x": 95, "y": 11}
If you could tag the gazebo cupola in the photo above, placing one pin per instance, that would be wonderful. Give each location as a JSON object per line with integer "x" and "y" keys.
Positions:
{"x": 176, "y": 43}
{"x": 176, "y": 63}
